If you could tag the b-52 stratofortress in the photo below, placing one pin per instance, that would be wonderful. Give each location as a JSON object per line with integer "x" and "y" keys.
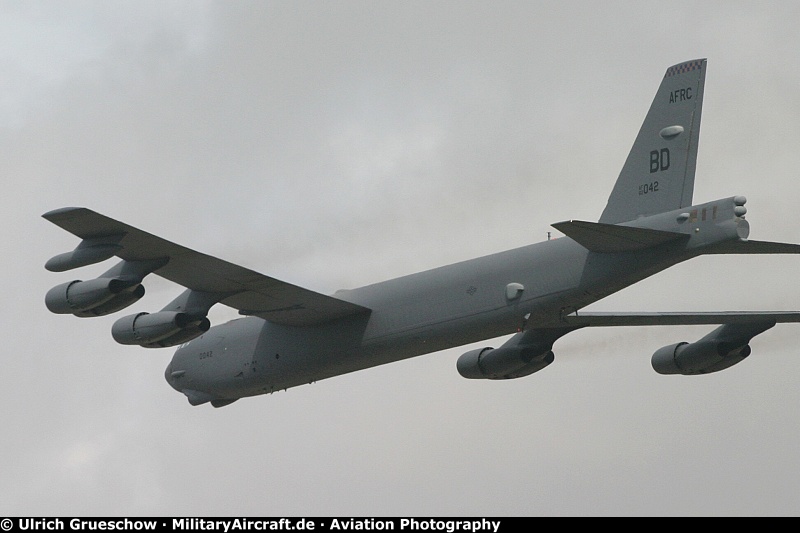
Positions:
{"x": 291, "y": 336}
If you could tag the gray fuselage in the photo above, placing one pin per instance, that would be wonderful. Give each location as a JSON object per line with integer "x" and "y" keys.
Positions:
{"x": 437, "y": 309}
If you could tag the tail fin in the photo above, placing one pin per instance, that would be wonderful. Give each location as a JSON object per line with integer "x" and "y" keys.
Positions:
{"x": 658, "y": 175}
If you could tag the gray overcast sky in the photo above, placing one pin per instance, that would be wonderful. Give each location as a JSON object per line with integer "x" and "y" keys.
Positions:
{"x": 335, "y": 144}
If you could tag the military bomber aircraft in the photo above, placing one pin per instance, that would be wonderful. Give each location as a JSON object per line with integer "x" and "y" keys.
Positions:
{"x": 291, "y": 336}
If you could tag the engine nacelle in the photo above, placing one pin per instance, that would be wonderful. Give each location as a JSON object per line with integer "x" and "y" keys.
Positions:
{"x": 156, "y": 330}
{"x": 94, "y": 297}
{"x": 697, "y": 358}
{"x": 504, "y": 362}
{"x": 722, "y": 348}
{"x": 117, "y": 303}
{"x": 185, "y": 335}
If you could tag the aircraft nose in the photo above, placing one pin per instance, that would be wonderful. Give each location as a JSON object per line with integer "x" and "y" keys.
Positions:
{"x": 173, "y": 376}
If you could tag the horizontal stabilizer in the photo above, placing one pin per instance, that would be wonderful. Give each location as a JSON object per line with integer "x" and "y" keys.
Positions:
{"x": 754, "y": 247}
{"x": 679, "y": 319}
{"x": 610, "y": 238}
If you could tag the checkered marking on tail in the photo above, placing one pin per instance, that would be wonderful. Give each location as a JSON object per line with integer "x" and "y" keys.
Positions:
{"x": 684, "y": 68}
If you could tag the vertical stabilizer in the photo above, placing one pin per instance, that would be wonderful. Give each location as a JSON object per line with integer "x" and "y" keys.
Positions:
{"x": 658, "y": 175}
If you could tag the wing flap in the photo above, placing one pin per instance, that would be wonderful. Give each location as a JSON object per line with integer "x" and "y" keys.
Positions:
{"x": 251, "y": 293}
{"x": 610, "y": 238}
{"x": 581, "y": 319}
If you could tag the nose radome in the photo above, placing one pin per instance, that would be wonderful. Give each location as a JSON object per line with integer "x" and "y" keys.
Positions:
{"x": 172, "y": 376}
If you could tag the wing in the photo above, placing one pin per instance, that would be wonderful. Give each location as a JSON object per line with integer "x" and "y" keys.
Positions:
{"x": 249, "y": 292}
{"x": 581, "y": 319}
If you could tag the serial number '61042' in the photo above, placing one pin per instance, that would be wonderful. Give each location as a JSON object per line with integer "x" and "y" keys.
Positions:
{"x": 648, "y": 188}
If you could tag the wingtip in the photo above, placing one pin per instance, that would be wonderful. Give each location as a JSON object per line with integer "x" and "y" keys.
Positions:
{"x": 561, "y": 224}
{"x": 60, "y": 212}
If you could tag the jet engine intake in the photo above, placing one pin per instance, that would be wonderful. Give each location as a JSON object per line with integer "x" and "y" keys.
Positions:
{"x": 504, "y": 362}
{"x": 96, "y": 297}
{"x": 722, "y": 348}
{"x": 159, "y": 330}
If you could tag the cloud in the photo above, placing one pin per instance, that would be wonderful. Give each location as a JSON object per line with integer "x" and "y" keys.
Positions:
{"x": 335, "y": 145}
